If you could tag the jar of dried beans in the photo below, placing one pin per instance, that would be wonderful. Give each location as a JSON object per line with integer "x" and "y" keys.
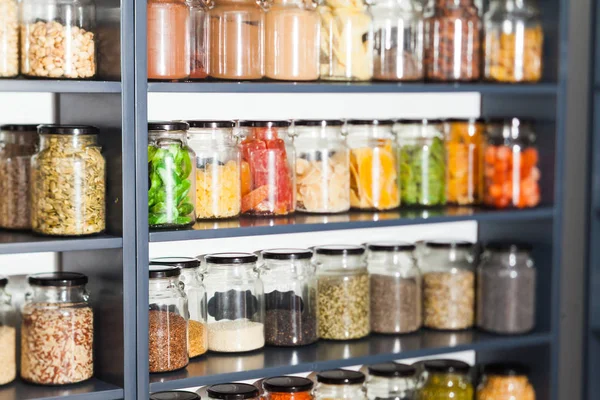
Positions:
{"x": 445, "y": 379}
{"x": 68, "y": 182}
{"x": 268, "y": 176}
{"x": 514, "y": 41}
{"x": 452, "y": 41}
{"x": 342, "y": 292}
{"x": 290, "y": 297}
{"x": 322, "y": 167}
{"x": 373, "y": 165}
{"x": 199, "y": 38}
{"x": 288, "y": 388}
{"x": 511, "y": 172}
{"x": 18, "y": 144}
{"x": 448, "y": 284}
{"x": 167, "y": 319}
{"x": 57, "y": 331}
{"x": 9, "y": 38}
{"x": 396, "y": 281}
{"x": 8, "y": 336}
{"x": 506, "y": 282}
{"x": 236, "y": 304}
{"x": 391, "y": 381}
{"x": 233, "y": 391}
{"x": 340, "y": 384}
{"x": 58, "y": 39}
{"x": 503, "y": 381}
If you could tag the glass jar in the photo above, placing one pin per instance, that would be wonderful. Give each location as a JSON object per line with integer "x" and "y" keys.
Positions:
{"x": 340, "y": 384}
{"x": 398, "y": 44}
{"x": 514, "y": 41}
{"x": 346, "y": 40}
{"x": 175, "y": 395}
{"x": 57, "y": 330}
{"x": 396, "y": 279}
{"x": 391, "y": 381}
{"x": 9, "y": 38}
{"x": 167, "y": 320}
{"x": 17, "y": 145}
{"x": 68, "y": 182}
{"x": 236, "y": 304}
{"x": 58, "y": 39}
{"x": 511, "y": 172}
{"x": 168, "y": 33}
{"x": 505, "y": 381}
{"x": 448, "y": 284}
{"x": 373, "y": 165}
{"x": 342, "y": 292}
{"x": 292, "y": 40}
{"x": 195, "y": 292}
{"x": 452, "y": 41}
{"x": 465, "y": 141}
{"x": 237, "y": 31}
{"x": 422, "y": 162}
{"x": 288, "y": 388}
{"x": 171, "y": 175}
{"x": 218, "y": 191}
{"x": 322, "y": 167}
{"x": 268, "y": 179}
{"x": 233, "y": 391}
{"x": 8, "y": 336}
{"x": 290, "y": 297}
{"x": 506, "y": 281}
{"x": 445, "y": 379}
{"x": 199, "y": 38}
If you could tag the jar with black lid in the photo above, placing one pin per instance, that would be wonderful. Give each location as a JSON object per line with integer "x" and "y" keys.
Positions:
{"x": 505, "y": 381}
{"x": 391, "y": 381}
{"x": 8, "y": 335}
{"x": 233, "y": 391}
{"x": 175, "y": 395}
{"x": 340, "y": 384}
{"x": 287, "y": 388}
{"x": 445, "y": 379}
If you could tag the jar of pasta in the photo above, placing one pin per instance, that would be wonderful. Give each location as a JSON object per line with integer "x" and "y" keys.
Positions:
{"x": 373, "y": 165}
{"x": 322, "y": 167}
{"x": 8, "y": 336}
{"x": 288, "y": 388}
{"x": 505, "y": 381}
{"x": 445, "y": 379}
{"x": 340, "y": 384}
{"x": 9, "y": 38}
{"x": 218, "y": 191}
{"x": 514, "y": 41}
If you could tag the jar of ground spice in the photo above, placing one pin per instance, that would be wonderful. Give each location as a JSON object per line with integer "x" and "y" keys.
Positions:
{"x": 167, "y": 320}
{"x": 505, "y": 381}
{"x": 233, "y": 391}
{"x": 340, "y": 384}
{"x": 506, "y": 281}
{"x": 287, "y": 388}
{"x": 391, "y": 381}
{"x": 8, "y": 336}
{"x": 395, "y": 287}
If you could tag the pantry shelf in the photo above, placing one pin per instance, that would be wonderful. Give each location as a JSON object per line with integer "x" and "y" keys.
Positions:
{"x": 57, "y": 86}
{"x": 93, "y": 389}
{"x": 21, "y": 242}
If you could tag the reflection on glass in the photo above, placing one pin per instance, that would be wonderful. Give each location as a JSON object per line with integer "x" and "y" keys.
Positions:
{"x": 447, "y": 339}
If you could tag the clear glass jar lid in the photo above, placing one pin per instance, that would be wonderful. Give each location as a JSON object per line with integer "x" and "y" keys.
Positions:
{"x": 58, "y": 279}
{"x": 286, "y": 254}
{"x": 180, "y": 262}
{"x": 392, "y": 370}
{"x": 232, "y": 391}
{"x": 175, "y": 395}
{"x": 341, "y": 377}
{"x": 231, "y": 258}
{"x": 160, "y": 271}
{"x": 287, "y": 384}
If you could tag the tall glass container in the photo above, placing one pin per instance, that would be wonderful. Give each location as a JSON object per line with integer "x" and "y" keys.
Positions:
{"x": 9, "y": 38}
{"x": 200, "y": 38}
{"x": 8, "y": 336}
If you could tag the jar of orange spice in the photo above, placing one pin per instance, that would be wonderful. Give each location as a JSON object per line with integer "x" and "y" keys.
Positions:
{"x": 505, "y": 381}
{"x": 287, "y": 388}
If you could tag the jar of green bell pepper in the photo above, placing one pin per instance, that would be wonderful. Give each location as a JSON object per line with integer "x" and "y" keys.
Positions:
{"x": 445, "y": 379}
{"x": 172, "y": 171}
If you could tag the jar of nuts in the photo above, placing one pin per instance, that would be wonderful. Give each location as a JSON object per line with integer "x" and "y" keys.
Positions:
{"x": 9, "y": 38}
{"x": 58, "y": 39}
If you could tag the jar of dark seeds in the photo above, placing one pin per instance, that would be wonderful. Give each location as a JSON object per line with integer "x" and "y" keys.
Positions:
{"x": 395, "y": 284}
{"x": 290, "y": 297}
{"x": 506, "y": 279}
{"x": 343, "y": 292}
{"x": 448, "y": 284}
{"x": 391, "y": 381}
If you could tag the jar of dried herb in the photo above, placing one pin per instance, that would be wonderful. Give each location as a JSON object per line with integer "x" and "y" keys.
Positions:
{"x": 340, "y": 384}
{"x": 343, "y": 292}
{"x": 8, "y": 336}
{"x": 391, "y": 381}
{"x": 68, "y": 182}
{"x": 287, "y": 388}
{"x": 505, "y": 381}
{"x": 445, "y": 379}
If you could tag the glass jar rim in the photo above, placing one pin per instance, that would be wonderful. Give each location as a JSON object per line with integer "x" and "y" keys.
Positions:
{"x": 232, "y": 391}
{"x": 384, "y": 246}
{"x": 75, "y": 130}
{"x": 448, "y": 244}
{"x": 392, "y": 369}
{"x": 447, "y": 366}
{"x": 420, "y": 121}
{"x": 286, "y": 254}
{"x": 57, "y": 279}
{"x": 341, "y": 377}
{"x": 287, "y": 384}
{"x": 266, "y": 124}
{"x": 230, "y": 258}
{"x": 20, "y": 127}
{"x": 180, "y": 262}
{"x": 211, "y": 124}
{"x": 175, "y": 395}
{"x": 158, "y": 271}
{"x": 340, "y": 250}
{"x": 167, "y": 126}
{"x": 506, "y": 369}
{"x": 318, "y": 122}
{"x": 375, "y": 122}
{"x": 512, "y": 247}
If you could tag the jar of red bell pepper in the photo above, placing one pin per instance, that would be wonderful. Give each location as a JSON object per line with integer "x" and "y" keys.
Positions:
{"x": 268, "y": 179}
{"x": 511, "y": 165}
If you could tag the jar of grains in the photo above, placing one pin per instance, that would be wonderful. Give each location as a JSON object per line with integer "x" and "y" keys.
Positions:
{"x": 505, "y": 381}
{"x": 448, "y": 284}
{"x": 391, "y": 381}
{"x": 233, "y": 391}
{"x": 235, "y": 302}
{"x": 175, "y": 395}
{"x": 199, "y": 38}
{"x": 288, "y": 388}
{"x": 195, "y": 292}
{"x": 422, "y": 162}
{"x": 395, "y": 287}
{"x": 322, "y": 167}
{"x": 373, "y": 165}
{"x": 68, "y": 182}
{"x": 343, "y": 292}
{"x": 9, "y": 38}
{"x": 218, "y": 191}
{"x": 340, "y": 384}
{"x": 506, "y": 281}
{"x": 445, "y": 379}
{"x": 290, "y": 297}
{"x": 514, "y": 41}
{"x": 18, "y": 143}
{"x": 8, "y": 336}
{"x": 452, "y": 41}
{"x": 58, "y": 39}
{"x": 172, "y": 172}
{"x": 167, "y": 319}
{"x": 57, "y": 331}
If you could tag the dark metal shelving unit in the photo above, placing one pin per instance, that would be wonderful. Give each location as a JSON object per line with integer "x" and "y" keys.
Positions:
{"x": 55, "y": 86}
{"x": 93, "y": 389}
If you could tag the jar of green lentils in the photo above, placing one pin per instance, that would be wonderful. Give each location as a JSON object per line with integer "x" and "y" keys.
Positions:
{"x": 445, "y": 379}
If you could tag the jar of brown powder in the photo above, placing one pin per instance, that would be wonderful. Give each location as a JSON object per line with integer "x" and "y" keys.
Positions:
{"x": 199, "y": 35}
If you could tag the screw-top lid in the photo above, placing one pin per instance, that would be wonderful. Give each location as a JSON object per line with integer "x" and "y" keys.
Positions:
{"x": 466, "y": 120}
{"x": 340, "y": 250}
{"x": 3, "y": 281}
{"x": 370, "y": 122}
{"x": 287, "y": 254}
{"x": 318, "y": 122}
{"x": 75, "y": 130}
{"x": 447, "y": 244}
{"x": 232, "y": 391}
{"x": 58, "y": 279}
{"x": 20, "y": 127}
{"x": 175, "y": 395}
{"x": 168, "y": 126}
{"x": 181, "y": 262}
{"x": 390, "y": 246}
{"x": 211, "y": 124}
{"x": 391, "y": 369}
{"x": 163, "y": 271}
{"x": 508, "y": 246}
{"x": 421, "y": 121}
{"x": 231, "y": 258}
{"x": 447, "y": 366}
{"x": 265, "y": 124}
{"x": 340, "y": 377}
{"x": 506, "y": 369}
{"x": 287, "y": 384}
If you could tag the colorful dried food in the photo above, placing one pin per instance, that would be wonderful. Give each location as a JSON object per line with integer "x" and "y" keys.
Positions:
{"x": 449, "y": 300}
{"x": 464, "y": 146}
{"x": 514, "y": 58}
{"x": 167, "y": 341}
{"x": 235, "y": 336}
{"x": 446, "y": 379}
{"x": 9, "y": 38}
{"x": 218, "y": 190}
{"x": 505, "y": 381}
{"x": 8, "y": 362}
{"x": 397, "y": 306}
{"x": 198, "y": 338}
{"x": 423, "y": 172}
{"x": 323, "y": 184}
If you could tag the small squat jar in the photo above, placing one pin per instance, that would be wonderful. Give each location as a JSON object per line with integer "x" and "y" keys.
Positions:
{"x": 9, "y": 38}
{"x": 391, "y": 381}
{"x": 343, "y": 292}
{"x": 288, "y": 388}
{"x": 8, "y": 336}
{"x": 445, "y": 380}
{"x": 322, "y": 167}
{"x": 57, "y": 307}
{"x": 340, "y": 384}
{"x": 395, "y": 278}
{"x": 506, "y": 281}
{"x": 199, "y": 39}
{"x": 505, "y": 381}
{"x": 233, "y": 391}
{"x": 175, "y": 395}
